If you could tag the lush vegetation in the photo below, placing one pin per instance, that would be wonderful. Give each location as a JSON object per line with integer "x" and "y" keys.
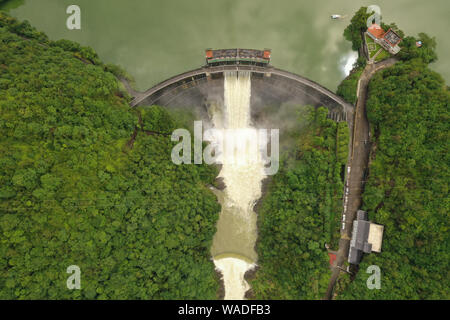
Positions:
{"x": 382, "y": 55}
{"x": 347, "y": 88}
{"x": 426, "y": 52}
{"x": 301, "y": 212}
{"x": 357, "y": 26}
{"x": 407, "y": 187}
{"x": 84, "y": 182}
{"x": 371, "y": 44}
{"x": 407, "y": 190}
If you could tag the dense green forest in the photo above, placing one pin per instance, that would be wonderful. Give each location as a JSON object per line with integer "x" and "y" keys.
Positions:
{"x": 407, "y": 187}
{"x": 85, "y": 180}
{"x": 301, "y": 212}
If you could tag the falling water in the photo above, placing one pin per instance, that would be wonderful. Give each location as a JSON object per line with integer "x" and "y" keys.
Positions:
{"x": 242, "y": 172}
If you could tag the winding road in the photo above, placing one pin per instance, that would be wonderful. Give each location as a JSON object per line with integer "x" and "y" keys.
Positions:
{"x": 357, "y": 163}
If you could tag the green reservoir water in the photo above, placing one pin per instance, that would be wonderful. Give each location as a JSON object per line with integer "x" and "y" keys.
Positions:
{"x": 156, "y": 39}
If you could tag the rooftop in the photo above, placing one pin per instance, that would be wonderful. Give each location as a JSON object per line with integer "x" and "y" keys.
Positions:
{"x": 392, "y": 37}
{"x": 220, "y": 55}
{"x": 376, "y": 30}
{"x": 375, "y": 236}
{"x": 366, "y": 237}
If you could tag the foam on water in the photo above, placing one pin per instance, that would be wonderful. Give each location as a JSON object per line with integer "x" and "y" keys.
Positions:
{"x": 242, "y": 172}
{"x": 347, "y": 62}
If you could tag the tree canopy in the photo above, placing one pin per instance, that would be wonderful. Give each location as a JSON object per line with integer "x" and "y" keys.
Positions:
{"x": 358, "y": 24}
{"x": 77, "y": 189}
{"x": 407, "y": 187}
{"x": 301, "y": 212}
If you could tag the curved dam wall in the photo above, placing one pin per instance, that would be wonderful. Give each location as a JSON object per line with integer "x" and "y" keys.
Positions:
{"x": 270, "y": 86}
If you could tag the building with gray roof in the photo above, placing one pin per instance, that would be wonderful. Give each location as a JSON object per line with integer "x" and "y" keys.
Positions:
{"x": 366, "y": 237}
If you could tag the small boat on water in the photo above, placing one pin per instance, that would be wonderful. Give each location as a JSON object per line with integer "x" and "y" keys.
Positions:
{"x": 337, "y": 16}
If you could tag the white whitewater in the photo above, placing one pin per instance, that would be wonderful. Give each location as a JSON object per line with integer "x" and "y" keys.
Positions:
{"x": 243, "y": 172}
{"x": 348, "y": 61}
{"x": 233, "y": 271}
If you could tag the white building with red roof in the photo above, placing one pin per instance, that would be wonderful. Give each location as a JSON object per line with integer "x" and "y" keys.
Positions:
{"x": 388, "y": 40}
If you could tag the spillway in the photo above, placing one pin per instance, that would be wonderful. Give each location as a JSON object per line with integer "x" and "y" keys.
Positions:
{"x": 242, "y": 172}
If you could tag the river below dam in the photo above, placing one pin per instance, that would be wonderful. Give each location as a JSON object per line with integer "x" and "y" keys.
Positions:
{"x": 242, "y": 171}
{"x": 157, "y": 39}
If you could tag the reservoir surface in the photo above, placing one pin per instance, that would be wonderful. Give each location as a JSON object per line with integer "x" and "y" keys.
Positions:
{"x": 156, "y": 39}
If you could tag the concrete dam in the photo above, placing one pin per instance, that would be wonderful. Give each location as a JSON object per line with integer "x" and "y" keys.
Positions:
{"x": 237, "y": 92}
{"x": 270, "y": 86}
